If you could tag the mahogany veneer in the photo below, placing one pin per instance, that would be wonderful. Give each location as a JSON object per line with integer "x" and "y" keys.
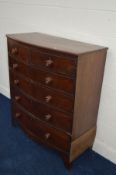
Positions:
{"x": 55, "y": 90}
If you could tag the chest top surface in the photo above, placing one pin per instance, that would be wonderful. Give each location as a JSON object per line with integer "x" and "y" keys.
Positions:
{"x": 55, "y": 43}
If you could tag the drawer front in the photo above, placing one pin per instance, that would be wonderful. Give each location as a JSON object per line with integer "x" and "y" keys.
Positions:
{"x": 43, "y": 112}
{"x": 53, "y": 63}
{"x": 46, "y": 78}
{"x": 44, "y": 95}
{"x": 18, "y": 51}
{"x": 41, "y": 130}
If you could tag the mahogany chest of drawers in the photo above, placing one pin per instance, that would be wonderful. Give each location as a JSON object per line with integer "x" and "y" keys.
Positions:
{"x": 55, "y": 88}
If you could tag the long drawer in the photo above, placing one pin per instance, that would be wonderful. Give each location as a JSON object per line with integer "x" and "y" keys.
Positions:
{"x": 43, "y": 112}
{"x": 44, "y": 95}
{"x": 41, "y": 130}
{"x": 44, "y": 77}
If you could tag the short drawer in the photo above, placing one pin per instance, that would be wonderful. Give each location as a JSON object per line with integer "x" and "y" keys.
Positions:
{"x": 42, "y": 94}
{"x": 49, "y": 79}
{"x": 54, "y": 63}
{"x": 19, "y": 51}
{"x": 43, "y": 112}
{"x": 41, "y": 130}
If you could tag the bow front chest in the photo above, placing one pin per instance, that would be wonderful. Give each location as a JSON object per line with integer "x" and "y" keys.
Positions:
{"x": 55, "y": 88}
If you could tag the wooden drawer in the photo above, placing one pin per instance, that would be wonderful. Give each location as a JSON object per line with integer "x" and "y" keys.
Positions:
{"x": 44, "y": 95}
{"x": 41, "y": 130}
{"x": 46, "y": 78}
{"x": 53, "y": 63}
{"x": 19, "y": 51}
{"x": 43, "y": 112}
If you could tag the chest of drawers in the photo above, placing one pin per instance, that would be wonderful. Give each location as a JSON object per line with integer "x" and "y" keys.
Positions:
{"x": 55, "y": 88}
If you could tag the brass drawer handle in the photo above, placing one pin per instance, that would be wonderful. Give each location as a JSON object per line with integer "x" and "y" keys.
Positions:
{"x": 17, "y": 98}
{"x": 48, "y": 80}
{"x": 48, "y": 98}
{"x": 47, "y": 136}
{"x": 49, "y": 62}
{"x": 16, "y": 82}
{"x": 17, "y": 115}
{"x": 48, "y": 117}
{"x": 14, "y": 51}
{"x": 15, "y": 66}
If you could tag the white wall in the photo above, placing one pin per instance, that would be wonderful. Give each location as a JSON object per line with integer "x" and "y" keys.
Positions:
{"x": 92, "y": 21}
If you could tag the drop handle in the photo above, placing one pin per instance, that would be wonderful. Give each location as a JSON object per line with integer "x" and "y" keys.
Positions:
{"x": 49, "y": 62}
{"x": 17, "y": 98}
{"x": 48, "y": 80}
{"x": 14, "y": 51}
{"x": 17, "y": 115}
{"x": 47, "y": 136}
{"x": 48, "y": 98}
{"x": 15, "y": 66}
{"x": 16, "y": 82}
{"x": 48, "y": 117}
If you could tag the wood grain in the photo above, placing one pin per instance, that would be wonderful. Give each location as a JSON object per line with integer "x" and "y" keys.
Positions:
{"x": 57, "y": 99}
{"x": 22, "y": 51}
{"x": 58, "y": 82}
{"x": 59, "y": 64}
{"x": 41, "y": 130}
{"x": 79, "y": 145}
{"x": 58, "y": 119}
{"x": 55, "y": 43}
{"x": 88, "y": 88}
{"x": 55, "y": 90}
